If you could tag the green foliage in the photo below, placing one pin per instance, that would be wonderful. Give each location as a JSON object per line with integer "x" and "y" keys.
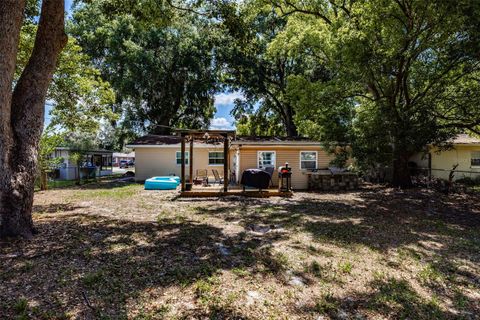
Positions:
{"x": 162, "y": 70}
{"x": 401, "y": 74}
{"x": 345, "y": 267}
{"x": 262, "y": 76}
{"x": 49, "y": 141}
{"x": 259, "y": 124}
{"x": 80, "y": 98}
{"x": 79, "y": 141}
{"x": 327, "y": 304}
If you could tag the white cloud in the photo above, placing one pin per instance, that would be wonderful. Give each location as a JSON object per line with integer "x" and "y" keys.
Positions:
{"x": 223, "y": 99}
{"x": 220, "y": 124}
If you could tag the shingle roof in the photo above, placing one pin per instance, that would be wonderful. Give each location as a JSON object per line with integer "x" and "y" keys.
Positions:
{"x": 465, "y": 139}
{"x": 153, "y": 139}
{"x": 271, "y": 139}
{"x": 158, "y": 140}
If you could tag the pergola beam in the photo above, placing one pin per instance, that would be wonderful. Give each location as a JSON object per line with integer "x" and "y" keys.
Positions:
{"x": 182, "y": 151}
{"x": 190, "y": 160}
{"x": 223, "y": 135}
{"x": 225, "y": 164}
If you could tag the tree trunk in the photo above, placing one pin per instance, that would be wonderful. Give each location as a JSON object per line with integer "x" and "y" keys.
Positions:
{"x": 290, "y": 127}
{"x": 22, "y": 111}
{"x": 401, "y": 172}
{"x": 43, "y": 180}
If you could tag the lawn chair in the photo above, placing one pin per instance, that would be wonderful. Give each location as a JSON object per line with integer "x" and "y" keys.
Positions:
{"x": 218, "y": 179}
{"x": 201, "y": 177}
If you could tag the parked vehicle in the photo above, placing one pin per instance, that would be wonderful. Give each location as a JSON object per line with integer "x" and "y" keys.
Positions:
{"x": 123, "y": 164}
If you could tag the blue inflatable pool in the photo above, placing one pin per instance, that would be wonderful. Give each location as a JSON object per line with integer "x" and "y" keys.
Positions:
{"x": 162, "y": 183}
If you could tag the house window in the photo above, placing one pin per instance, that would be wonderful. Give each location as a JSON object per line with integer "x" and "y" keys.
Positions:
{"x": 215, "y": 158}
{"x": 475, "y": 159}
{"x": 266, "y": 159}
{"x": 308, "y": 160}
{"x": 178, "y": 156}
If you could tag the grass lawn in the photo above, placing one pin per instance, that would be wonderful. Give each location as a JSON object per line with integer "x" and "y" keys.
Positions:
{"x": 116, "y": 251}
{"x": 56, "y": 184}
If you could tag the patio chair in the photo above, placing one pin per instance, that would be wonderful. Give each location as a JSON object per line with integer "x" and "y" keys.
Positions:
{"x": 218, "y": 179}
{"x": 201, "y": 176}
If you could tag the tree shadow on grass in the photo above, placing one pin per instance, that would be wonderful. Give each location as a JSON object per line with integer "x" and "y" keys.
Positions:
{"x": 55, "y": 207}
{"x": 116, "y": 263}
{"x": 441, "y": 233}
{"x": 382, "y": 221}
{"x": 109, "y": 263}
{"x": 378, "y": 219}
{"x": 388, "y": 297}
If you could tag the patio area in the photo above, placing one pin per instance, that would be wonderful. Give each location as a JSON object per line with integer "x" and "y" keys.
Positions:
{"x": 199, "y": 191}
{"x": 193, "y": 186}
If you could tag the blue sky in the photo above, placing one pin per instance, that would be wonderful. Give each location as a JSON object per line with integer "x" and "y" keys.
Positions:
{"x": 68, "y": 5}
{"x": 223, "y": 102}
{"x": 224, "y": 105}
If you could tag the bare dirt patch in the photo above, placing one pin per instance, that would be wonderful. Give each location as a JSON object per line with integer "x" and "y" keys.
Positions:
{"x": 116, "y": 251}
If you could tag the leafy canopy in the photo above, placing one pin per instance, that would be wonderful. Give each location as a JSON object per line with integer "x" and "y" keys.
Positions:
{"x": 80, "y": 98}
{"x": 403, "y": 73}
{"x": 159, "y": 62}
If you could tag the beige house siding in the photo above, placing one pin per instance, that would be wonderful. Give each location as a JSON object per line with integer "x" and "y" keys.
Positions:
{"x": 290, "y": 154}
{"x": 442, "y": 162}
{"x": 161, "y": 161}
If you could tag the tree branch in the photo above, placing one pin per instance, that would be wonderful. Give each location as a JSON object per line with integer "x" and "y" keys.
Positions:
{"x": 170, "y": 3}
{"x": 296, "y": 9}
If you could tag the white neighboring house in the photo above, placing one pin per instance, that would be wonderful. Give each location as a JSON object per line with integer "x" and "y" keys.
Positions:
{"x": 95, "y": 161}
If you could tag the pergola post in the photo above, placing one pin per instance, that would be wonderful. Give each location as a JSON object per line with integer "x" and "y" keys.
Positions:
{"x": 190, "y": 159}
{"x": 226, "y": 178}
{"x": 182, "y": 151}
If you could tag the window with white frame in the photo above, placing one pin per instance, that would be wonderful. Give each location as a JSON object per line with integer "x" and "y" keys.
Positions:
{"x": 475, "y": 159}
{"x": 266, "y": 159}
{"x": 215, "y": 158}
{"x": 308, "y": 160}
{"x": 178, "y": 158}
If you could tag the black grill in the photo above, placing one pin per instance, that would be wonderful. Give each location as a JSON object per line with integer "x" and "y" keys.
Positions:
{"x": 284, "y": 178}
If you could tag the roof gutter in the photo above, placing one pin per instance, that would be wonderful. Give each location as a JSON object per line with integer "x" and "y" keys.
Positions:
{"x": 172, "y": 146}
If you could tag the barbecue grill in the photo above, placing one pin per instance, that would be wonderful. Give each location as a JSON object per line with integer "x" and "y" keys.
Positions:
{"x": 284, "y": 178}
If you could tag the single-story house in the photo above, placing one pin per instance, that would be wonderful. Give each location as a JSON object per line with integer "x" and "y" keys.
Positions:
{"x": 465, "y": 153}
{"x": 119, "y": 156}
{"x": 97, "y": 161}
{"x": 160, "y": 155}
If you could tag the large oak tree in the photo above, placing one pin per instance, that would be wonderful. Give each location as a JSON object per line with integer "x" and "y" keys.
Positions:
{"x": 406, "y": 72}
{"x": 262, "y": 78}
{"x": 22, "y": 107}
{"x": 158, "y": 59}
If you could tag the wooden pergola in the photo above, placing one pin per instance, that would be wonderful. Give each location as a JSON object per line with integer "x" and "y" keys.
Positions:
{"x": 216, "y": 136}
